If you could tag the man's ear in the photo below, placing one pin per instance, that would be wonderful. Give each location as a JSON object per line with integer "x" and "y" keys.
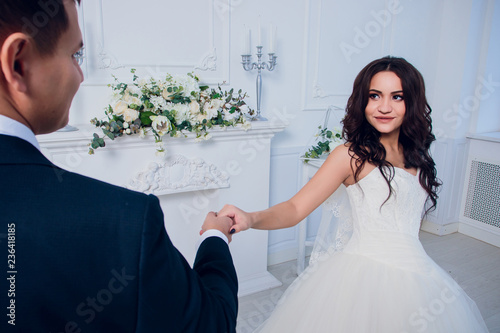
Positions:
{"x": 14, "y": 60}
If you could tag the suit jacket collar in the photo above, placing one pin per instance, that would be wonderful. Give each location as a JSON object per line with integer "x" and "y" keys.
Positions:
{"x": 14, "y": 150}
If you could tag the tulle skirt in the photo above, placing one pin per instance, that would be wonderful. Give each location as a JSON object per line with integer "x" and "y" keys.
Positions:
{"x": 366, "y": 291}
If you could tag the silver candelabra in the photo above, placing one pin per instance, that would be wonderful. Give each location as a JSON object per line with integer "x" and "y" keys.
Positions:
{"x": 248, "y": 65}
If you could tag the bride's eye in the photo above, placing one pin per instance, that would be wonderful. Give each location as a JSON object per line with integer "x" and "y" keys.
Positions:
{"x": 373, "y": 96}
{"x": 79, "y": 55}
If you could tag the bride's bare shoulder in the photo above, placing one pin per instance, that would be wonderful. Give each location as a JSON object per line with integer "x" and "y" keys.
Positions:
{"x": 341, "y": 152}
{"x": 340, "y": 158}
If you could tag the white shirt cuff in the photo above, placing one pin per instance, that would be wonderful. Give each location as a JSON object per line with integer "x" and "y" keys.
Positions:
{"x": 211, "y": 233}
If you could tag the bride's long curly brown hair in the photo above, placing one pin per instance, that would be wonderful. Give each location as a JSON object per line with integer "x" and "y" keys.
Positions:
{"x": 415, "y": 133}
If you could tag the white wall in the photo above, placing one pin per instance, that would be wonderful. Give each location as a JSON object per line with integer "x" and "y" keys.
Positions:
{"x": 321, "y": 46}
{"x": 488, "y": 117}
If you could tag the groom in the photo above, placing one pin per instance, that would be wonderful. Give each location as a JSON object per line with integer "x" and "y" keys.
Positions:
{"x": 80, "y": 255}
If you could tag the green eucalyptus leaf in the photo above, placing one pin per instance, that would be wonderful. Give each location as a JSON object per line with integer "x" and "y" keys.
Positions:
{"x": 108, "y": 134}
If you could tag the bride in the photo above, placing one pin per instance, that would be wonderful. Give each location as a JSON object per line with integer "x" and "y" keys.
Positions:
{"x": 381, "y": 280}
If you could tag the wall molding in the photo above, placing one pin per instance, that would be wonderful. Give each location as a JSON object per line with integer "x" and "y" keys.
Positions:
{"x": 316, "y": 95}
{"x": 102, "y": 61}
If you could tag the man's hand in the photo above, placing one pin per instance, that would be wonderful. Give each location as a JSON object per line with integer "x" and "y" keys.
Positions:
{"x": 241, "y": 219}
{"x": 221, "y": 223}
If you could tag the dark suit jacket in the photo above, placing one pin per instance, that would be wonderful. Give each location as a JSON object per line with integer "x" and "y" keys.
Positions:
{"x": 92, "y": 257}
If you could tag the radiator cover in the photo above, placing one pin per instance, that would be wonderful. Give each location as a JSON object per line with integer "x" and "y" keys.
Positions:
{"x": 482, "y": 201}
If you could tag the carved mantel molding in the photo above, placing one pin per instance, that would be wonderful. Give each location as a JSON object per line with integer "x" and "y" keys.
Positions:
{"x": 179, "y": 174}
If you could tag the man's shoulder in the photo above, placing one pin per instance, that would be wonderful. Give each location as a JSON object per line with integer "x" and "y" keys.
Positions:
{"x": 22, "y": 153}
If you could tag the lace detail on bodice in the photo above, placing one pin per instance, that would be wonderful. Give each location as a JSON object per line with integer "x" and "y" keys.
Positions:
{"x": 402, "y": 212}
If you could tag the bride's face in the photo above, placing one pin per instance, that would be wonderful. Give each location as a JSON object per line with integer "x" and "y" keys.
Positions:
{"x": 386, "y": 108}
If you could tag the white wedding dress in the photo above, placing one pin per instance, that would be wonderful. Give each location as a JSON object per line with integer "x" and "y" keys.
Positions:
{"x": 382, "y": 280}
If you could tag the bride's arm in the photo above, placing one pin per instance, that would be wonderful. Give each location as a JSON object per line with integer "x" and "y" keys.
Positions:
{"x": 327, "y": 179}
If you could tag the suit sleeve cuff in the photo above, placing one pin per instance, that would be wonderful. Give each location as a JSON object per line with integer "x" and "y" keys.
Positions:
{"x": 211, "y": 233}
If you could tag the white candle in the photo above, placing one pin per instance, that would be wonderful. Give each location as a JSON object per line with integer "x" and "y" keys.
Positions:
{"x": 272, "y": 39}
{"x": 259, "y": 40}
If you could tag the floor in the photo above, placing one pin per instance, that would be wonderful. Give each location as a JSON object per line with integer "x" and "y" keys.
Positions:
{"x": 475, "y": 265}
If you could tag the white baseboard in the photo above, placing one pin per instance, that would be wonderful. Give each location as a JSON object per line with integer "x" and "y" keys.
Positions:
{"x": 256, "y": 283}
{"x": 285, "y": 255}
{"x": 439, "y": 229}
{"x": 481, "y": 231}
{"x": 282, "y": 256}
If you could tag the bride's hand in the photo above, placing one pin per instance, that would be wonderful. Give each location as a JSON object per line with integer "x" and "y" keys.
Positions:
{"x": 241, "y": 219}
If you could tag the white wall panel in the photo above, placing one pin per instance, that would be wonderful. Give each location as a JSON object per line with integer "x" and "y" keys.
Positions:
{"x": 341, "y": 38}
{"x": 155, "y": 38}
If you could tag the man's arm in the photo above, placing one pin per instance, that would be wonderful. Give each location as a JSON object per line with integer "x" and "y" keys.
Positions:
{"x": 177, "y": 298}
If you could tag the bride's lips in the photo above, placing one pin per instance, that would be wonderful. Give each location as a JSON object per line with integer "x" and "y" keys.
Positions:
{"x": 384, "y": 119}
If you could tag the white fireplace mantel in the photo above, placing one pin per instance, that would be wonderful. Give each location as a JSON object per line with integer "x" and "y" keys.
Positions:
{"x": 192, "y": 179}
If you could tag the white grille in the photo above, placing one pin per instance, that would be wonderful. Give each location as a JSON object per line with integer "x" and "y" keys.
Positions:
{"x": 483, "y": 194}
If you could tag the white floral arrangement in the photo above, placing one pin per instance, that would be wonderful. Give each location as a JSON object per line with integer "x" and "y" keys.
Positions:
{"x": 172, "y": 106}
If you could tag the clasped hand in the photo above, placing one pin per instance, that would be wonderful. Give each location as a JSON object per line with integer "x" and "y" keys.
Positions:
{"x": 229, "y": 220}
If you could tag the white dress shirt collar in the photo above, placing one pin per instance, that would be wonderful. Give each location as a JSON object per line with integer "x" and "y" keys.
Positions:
{"x": 12, "y": 127}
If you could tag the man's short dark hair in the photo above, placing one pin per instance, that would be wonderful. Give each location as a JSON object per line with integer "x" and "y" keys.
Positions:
{"x": 44, "y": 20}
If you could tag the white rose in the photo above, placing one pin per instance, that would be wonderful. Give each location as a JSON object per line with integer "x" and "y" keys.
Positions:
{"x": 120, "y": 108}
{"x": 129, "y": 115}
{"x": 194, "y": 107}
{"x": 189, "y": 84}
{"x": 182, "y": 113}
{"x": 212, "y": 108}
{"x": 161, "y": 124}
{"x": 217, "y": 103}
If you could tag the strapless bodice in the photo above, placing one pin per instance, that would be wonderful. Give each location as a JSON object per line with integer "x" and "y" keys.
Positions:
{"x": 402, "y": 212}
{"x": 387, "y": 231}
